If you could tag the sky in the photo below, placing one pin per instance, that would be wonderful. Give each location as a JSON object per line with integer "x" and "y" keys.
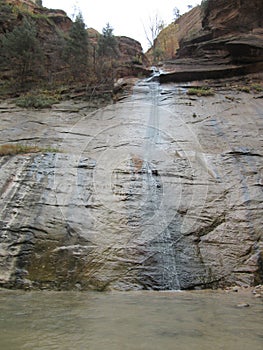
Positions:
{"x": 128, "y": 18}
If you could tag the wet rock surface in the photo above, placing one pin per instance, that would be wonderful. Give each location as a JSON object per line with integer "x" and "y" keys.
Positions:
{"x": 159, "y": 191}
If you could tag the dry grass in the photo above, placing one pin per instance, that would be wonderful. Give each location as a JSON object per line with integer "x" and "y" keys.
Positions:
{"x": 245, "y": 89}
{"x": 13, "y": 149}
{"x": 257, "y": 87}
{"x": 250, "y": 87}
{"x": 200, "y": 91}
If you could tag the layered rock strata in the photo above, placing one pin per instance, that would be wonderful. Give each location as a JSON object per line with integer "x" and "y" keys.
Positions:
{"x": 228, "y": 42}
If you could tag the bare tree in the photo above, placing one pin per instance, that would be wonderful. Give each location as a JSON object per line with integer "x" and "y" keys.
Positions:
{"x": 155, "y": 25}
{"x": 176, "y": 13}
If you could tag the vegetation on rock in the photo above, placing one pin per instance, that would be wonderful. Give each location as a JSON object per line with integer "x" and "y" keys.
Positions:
{"x": 39, "y": 3}
{"x": 155, "y": 26}
{"x": 107, "y": 56}
{"x": 37, "y": 101}
{"x": 21, "y": 49}
{"x": 107, "y": 44}
{"x": 257, "y": 87}
{"x": 42, "y": 48}
{"x": 76, "y": 50}
{"x": 13, "y": 149}
{"x": 200, "y": 91}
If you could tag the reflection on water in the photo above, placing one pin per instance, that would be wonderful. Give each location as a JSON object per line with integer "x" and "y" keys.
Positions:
{"x": 127, "y": 321}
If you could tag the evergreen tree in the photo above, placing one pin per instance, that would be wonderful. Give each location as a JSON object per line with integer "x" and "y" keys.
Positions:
{"x": 39, "y": 3}
{"x": 21, "y": 50}
{"x": 77, "y": 48}
{"x": 107, "y": 44}
{"x": 107, "y": 53}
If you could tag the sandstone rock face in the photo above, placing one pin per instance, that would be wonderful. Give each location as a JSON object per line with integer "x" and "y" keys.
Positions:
{"x": 235, "y": 16}
{"x": 226, "y": 40}
{"x": 59, "y": 17}
{"x": 132, "y": 59}
{"x": 156, "y": 192}
{"x": 131, "y": 49}
{"x": 230, "y": 30}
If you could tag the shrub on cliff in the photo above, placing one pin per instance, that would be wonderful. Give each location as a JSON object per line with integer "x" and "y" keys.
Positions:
{"x": 37, "y": 101}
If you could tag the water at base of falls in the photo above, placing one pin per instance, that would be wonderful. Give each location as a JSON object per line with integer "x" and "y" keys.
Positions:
{"x": 130, "y": 321}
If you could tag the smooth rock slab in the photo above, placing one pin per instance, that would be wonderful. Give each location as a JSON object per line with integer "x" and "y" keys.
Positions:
{"x": 144, "y": 196}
